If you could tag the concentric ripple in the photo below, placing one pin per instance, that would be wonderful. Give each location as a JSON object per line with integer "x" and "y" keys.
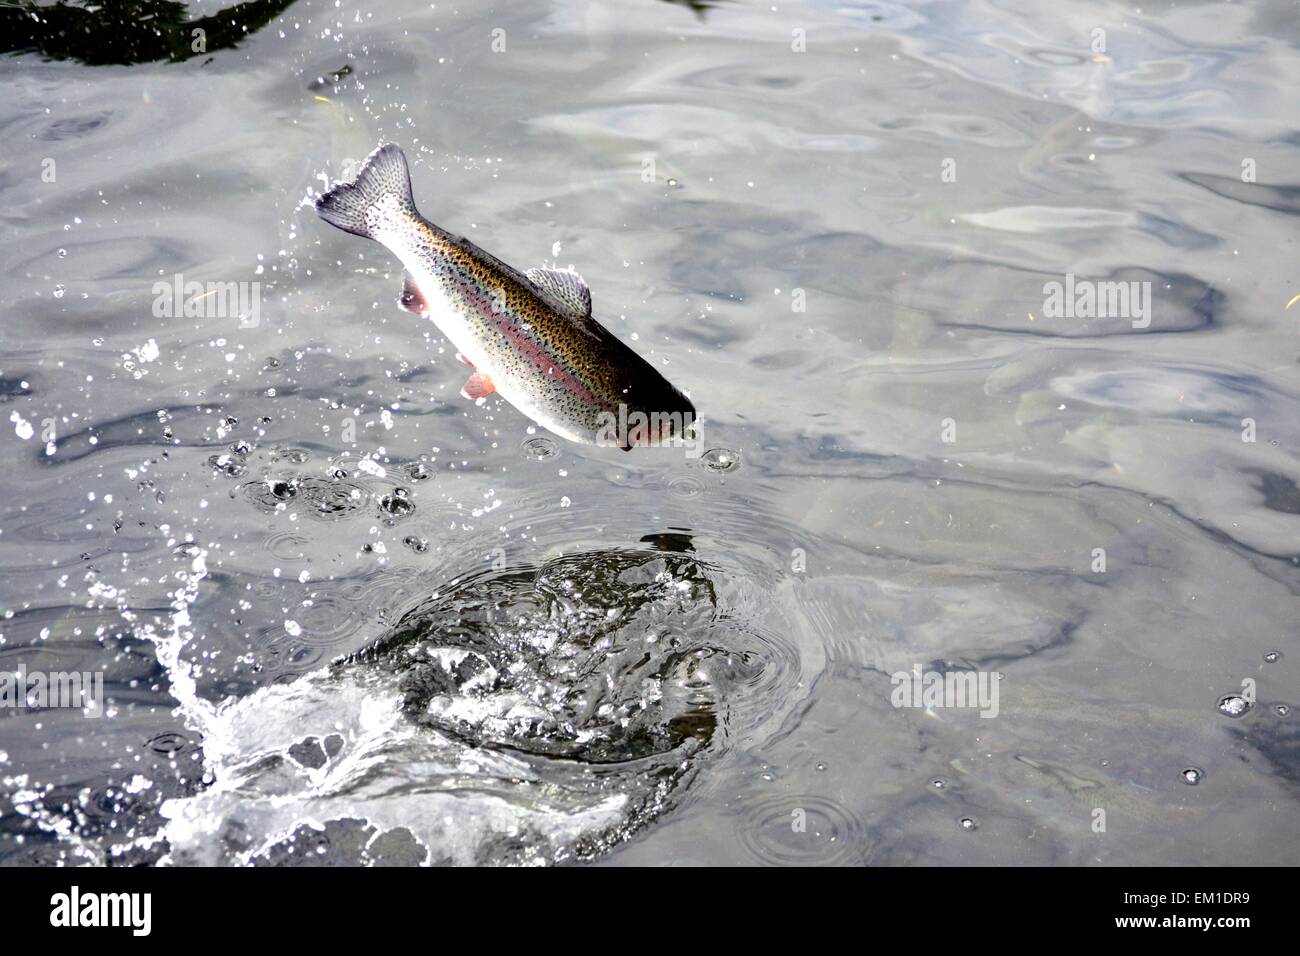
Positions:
{"x": 801, "y": 830}
{"x": 326, "y": 499}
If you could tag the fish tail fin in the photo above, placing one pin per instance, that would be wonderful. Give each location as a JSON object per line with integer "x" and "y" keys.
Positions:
{"x": 381, "y": 191}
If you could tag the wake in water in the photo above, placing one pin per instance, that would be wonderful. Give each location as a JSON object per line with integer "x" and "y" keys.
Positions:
{"x": 531, "y": 715}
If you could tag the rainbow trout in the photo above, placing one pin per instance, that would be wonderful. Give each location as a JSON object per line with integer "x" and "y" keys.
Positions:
{"x": 529, "y": 337}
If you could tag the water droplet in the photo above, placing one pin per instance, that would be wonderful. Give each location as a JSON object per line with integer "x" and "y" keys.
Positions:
{"x": 1272, "y": 657}
{"x": 720, "y": 460}
{"x": 1282, "y": 710}
{"x": 398, "y": 504}
{"x": 1234, "y": 705}
{"x": 540, "y": 448}
{"x": 1192, "y": 776}
{"x": 227, "y": 465}
{"x": 63, "y": 253}
{"x": 58, "y": 291}
{"x": 939, "y": 783}
{"x": 282, "y": 488}
{"x": 418, "y": 545}
{"x": 968, "y": 823}
{"x": 418, "y": 471}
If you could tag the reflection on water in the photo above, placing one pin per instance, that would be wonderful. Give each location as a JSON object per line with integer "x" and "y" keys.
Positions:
{"x": 343, "y": 616}
{"x": 699, "y": 7}
{"x": 128, "y": 31}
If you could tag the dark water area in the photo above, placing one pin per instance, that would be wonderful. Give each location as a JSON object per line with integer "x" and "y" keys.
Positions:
{"x": 990, "y": 313}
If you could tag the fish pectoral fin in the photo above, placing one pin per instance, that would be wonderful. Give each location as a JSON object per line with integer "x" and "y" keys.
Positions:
{"x": 479, "y": 386}
{"x": 565, "y": 289}
{"x": 463, "y": 361}
{"x": 412, "y": 299}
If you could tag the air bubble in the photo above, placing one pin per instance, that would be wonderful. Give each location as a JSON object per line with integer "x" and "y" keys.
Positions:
{"x": 1234, "y": 705}
{"x": 540, "y": 448}
{"x": 398, "y": 504}
{"x": 720, "y": 460}
{"x": 228, "y": 465}
{"x": 282, "y": 489}
{"x": 1192, "y": 776}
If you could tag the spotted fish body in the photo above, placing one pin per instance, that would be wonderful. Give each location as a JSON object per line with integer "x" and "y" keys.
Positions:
{"x": 529, "y": 336}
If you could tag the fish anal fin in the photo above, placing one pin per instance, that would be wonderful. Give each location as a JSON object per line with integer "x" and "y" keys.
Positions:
{"x": 565, "y": 289}
{"x": 412, "y": 299}
{"x": 477, "y": 387}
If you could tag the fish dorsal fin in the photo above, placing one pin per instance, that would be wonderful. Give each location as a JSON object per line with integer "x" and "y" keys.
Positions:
{"x": 565, "y": 289}
{"x": 411, "y": 299}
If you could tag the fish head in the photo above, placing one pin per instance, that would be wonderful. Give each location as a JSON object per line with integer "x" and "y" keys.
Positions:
{"x": 658, "y": 415}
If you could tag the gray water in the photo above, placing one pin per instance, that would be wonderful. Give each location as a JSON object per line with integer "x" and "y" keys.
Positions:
{"x": 345, "y": 616}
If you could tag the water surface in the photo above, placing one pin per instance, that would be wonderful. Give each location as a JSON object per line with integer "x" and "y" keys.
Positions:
{"x": 345, "y": 616}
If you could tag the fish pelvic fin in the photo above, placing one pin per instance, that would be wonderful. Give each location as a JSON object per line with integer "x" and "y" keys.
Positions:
{"x": 381, "y": 191}
{"x": 478, "y": 387}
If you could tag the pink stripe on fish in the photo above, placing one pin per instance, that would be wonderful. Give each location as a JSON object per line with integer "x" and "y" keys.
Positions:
{"x": 525, "y": 344}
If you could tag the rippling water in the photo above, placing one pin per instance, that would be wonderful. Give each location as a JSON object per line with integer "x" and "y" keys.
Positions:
{"x": 344, "y": 616}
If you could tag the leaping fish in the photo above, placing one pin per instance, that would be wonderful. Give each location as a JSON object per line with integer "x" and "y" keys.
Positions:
{"x": 528, "y": 336}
